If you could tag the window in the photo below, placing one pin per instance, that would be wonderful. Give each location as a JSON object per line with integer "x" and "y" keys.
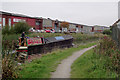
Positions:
{"x": 13, "y": 25}
{"x": 0, "y": 19}
{"x": 18, "y": 20}
{"x": 3, "y": 22}
{"x": 81, "y": 26}
{"x": 0, "y": 26}
{"x": 37, "y": 23}
{"x": 10, "y": 23}
{"x": 92, "y": 29}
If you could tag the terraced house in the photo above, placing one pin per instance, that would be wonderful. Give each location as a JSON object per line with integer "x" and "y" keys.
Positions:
{"x": 40, "y": 23}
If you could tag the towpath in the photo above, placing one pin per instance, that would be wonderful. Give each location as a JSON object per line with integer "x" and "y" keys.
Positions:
{"x": 63, "y": 70}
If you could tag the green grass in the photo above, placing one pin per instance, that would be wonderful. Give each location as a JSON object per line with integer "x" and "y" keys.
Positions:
{"x": 91, "y": 65}
{"x": 77, "y": 36}
{"x": 42, "y": 67}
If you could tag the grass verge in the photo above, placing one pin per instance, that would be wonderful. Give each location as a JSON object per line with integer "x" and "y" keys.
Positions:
{"x": 91, "y": 65}
{"x": 42, "y": 67}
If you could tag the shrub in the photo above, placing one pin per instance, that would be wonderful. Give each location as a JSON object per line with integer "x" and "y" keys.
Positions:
{"x": 108, "y": 32}
{"x": 9, "y": 67}
{"x": 6, "y": 30}
{"x": 12, "y": 31}
{"x": 64, "y": 25}
{"x": 18, "y": 28}
{"x": 109, "y": 51}
{"x": 21, "y": 27}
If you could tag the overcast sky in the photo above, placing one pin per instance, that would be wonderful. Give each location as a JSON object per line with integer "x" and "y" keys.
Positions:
{"x": 82, "y": 12}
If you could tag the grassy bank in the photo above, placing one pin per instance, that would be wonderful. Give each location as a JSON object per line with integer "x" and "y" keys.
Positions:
{"x": 101, "y": 62}
{"x": 89, "y": 65}
{"x": 42, "y": 68}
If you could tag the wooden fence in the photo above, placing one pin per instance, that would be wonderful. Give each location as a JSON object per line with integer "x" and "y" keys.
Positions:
{"x": 116, "y": 34}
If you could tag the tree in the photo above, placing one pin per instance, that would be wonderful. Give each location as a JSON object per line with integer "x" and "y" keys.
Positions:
{"x": 6, "y": 30}
{"x": 64, "y": 25}
{"x": 107, "y": 31}
{"x": 21, "y": 27}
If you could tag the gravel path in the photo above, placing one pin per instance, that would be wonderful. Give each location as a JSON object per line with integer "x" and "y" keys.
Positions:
{"x": 63, "y": 70}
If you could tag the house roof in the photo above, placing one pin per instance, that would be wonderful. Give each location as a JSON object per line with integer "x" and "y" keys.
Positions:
{"x": 14, "y": 14}
{"x": 21, "y": 15}
{"x": 116, "y": 22}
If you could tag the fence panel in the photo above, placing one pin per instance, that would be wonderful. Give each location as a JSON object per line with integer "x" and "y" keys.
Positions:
{"x": 116, "y": 34}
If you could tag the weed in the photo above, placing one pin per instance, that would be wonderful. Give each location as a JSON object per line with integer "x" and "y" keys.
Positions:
{"x": 101, "y": 62}
{"x": 9, "y": 67}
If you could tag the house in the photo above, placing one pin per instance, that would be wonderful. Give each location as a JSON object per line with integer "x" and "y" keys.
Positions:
{"x": 72, "y": 27}
{"x": 56, "y": 25}
{"x": 48, "y": 23}
{"x": 11, "y": 19}
{"x": 100, "y": 28}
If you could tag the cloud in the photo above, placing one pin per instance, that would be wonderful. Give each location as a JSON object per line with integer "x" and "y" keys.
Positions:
{"x": 90, "y": 13}
{"x": 60, "y": 0}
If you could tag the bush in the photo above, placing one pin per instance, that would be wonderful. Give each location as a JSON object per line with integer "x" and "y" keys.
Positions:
{"x": 18, "y": 28}
{"x": 9, "y": 67}
{"x": 21, "y": 27}
{"x": 12, "y": 31}
{"x": 109, "y": 51}
{"x": 6, "y": 30}
{"x": 108, "y": 32}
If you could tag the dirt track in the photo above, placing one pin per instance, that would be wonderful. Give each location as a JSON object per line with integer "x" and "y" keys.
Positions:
{"x": 63, "y": 70}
